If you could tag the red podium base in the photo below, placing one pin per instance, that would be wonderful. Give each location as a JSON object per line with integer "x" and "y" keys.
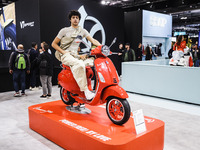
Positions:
{"x": 92, "y": 131}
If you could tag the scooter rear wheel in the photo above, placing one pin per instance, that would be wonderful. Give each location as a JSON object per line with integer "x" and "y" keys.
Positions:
{"x": 118, "y": 110}
{"x": 66, "y": 97}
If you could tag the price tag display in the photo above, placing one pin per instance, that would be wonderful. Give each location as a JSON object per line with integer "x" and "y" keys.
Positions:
{"x": 140, "y": 125}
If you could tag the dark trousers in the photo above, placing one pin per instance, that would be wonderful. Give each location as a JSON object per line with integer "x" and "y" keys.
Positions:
{"x": 19, "y": 76}
{"x": 33, "y": 78}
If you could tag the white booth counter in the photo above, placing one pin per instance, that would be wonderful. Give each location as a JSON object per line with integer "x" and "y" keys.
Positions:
{"x": 158, "y": 78}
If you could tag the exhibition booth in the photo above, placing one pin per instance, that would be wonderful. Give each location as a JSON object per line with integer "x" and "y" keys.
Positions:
{"x": 41, "y": 20}
{"x": 158, "y": 78}
{"x": 149, "y": 28}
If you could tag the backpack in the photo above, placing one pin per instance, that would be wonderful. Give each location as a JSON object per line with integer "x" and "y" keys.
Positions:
{"x": 28, "y": 53}
{"x": 20, "y": 62}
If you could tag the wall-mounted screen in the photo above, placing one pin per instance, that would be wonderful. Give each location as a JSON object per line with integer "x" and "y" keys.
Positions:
{"x": 179, "y": 33}
{"x": 7, "y": 27}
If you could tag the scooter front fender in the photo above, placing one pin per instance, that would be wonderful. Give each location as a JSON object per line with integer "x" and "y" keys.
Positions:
{"x": 115, "y": 91}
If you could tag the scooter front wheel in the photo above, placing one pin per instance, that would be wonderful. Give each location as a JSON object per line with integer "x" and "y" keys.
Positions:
{"x": 118, "y": 110}
{"x": 66, "y": 97}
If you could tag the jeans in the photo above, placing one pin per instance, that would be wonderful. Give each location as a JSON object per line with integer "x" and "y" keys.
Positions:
{"x": 196, "y": 63}
{"x": 19, "y": 76}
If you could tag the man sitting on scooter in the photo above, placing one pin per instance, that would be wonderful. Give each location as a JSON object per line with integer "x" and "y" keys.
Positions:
{"x": 67, "y": 51}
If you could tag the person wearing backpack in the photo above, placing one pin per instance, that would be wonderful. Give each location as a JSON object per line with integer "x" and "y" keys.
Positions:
{"x": 19, "y": 64}
{"x": 45, "y": 63}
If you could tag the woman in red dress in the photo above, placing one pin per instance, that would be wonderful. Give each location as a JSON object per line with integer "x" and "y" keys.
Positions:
{"x": 180, "y": 45}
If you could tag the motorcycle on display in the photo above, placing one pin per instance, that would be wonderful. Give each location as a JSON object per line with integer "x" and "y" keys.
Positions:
{"x": 180, "y": 58}
{"x": 107, "y": 89}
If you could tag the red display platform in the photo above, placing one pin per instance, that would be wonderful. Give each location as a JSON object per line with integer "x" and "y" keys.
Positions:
{"x": 92, "y": 131}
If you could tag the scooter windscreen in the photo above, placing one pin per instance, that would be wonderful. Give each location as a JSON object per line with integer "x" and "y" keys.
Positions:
{"x": 105, "y": 50}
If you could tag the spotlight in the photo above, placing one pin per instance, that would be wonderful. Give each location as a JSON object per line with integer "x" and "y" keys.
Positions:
{"x": 103, "y": 2}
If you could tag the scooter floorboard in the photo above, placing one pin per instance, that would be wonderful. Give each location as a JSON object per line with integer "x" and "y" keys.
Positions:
{"x": 74, "y": 131}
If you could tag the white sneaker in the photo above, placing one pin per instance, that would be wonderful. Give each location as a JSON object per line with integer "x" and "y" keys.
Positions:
{"x": 89, "y": 95}
{"x": 35, "y": 89}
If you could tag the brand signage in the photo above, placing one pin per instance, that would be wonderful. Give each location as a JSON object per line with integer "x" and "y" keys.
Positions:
{"x": 158, "y": 21}
{"x": 97, "y": 26}
{"x": 156, "y": 24}
{"x": 23, "y": 24}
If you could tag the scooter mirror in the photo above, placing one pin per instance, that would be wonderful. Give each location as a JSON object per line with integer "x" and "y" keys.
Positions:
{"x": 113, "y": 42}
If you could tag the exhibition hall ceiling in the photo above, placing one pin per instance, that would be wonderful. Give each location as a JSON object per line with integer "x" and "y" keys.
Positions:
{"x": 185, "y": 13}
{"x": 181, "y": 10}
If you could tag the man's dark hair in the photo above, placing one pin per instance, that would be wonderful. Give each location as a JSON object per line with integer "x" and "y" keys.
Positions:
{"x": 127, "y": 44}
{"x": 46, "y": 46}
{"x": 33, "y": 44}
{"x": 74, "y": 13}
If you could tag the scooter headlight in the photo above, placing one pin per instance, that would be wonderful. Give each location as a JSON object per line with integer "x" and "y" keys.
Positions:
{"x": 105, "y": 50}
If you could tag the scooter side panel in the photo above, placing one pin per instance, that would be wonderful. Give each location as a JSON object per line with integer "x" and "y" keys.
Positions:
{"x": 67, "y": 81}
{"x": 115, "y": 91}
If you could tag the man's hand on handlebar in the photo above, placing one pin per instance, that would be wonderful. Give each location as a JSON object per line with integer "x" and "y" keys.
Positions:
{"x": 83, "y": 57}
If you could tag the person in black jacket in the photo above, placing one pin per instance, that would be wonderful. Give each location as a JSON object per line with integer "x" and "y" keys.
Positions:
{"x": 119, "y": 53}
{"x": 19, "y": 64}
{"x": 45, "y": 62}
{"x": 128, "y": 53}
{"x": 138, "y": 52}
{"x": 33, "y": 60}
{"x": 196, "y": 55}
{"x": 149, "y": 53}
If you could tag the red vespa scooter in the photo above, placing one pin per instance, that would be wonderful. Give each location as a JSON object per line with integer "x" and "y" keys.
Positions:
{"x": 107, "y": 89}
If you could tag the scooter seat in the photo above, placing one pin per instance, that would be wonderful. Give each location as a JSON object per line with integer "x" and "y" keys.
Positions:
{"x": 89, "y": 72}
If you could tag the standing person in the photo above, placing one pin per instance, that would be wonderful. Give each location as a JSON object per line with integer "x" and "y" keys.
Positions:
{"x": 67, "y": 51}
{"x": 171, "y": 50}
{"x": 180, "y": 45}
{"x": 120, "y": 52}
{"x": 138, "y": 52}
{"x": 33, "y": 54}
{"x": 148, "y": 52}
{"x": 19, "y": 64}
{"x": 195, "y": 55}
{"x": 158, "y": 49}
{"x": 40, "y": 50}
{"x": 45, "y": 62}
{"x": 128, "y": 54}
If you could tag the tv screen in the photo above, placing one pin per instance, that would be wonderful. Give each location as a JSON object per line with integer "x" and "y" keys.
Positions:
{"x": 8, "y": 27}
{"x": 179, "y": 33}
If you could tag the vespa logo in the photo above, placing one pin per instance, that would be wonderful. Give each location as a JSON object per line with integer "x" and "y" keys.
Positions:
{"x": 97, "y": 27}
{"x": 29, "y": 24}
{"x": 158, "y": 21}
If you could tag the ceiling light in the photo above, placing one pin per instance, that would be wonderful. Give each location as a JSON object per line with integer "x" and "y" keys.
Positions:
{"x": 183, "y": 18}
{"x": 148, "y": 2}
{"x": 103, "y": 2}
